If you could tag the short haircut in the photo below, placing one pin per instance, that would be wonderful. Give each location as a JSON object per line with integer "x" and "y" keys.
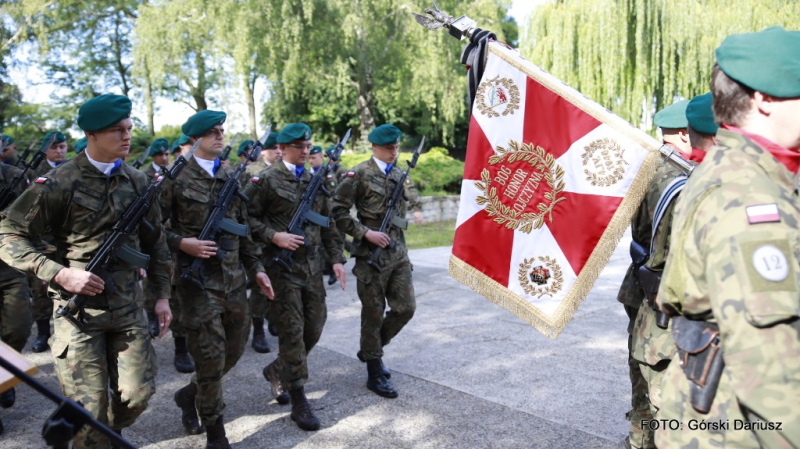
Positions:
{"x": 731, "y": 98}
{"x": 697, "y": 139}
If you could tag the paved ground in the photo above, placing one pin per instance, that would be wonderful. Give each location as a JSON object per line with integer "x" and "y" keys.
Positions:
{"x": 470, "y": 374}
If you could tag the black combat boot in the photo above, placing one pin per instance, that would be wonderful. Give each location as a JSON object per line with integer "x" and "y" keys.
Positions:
{"x": 273, "y": 329}
{"x": 377, "y": 382}
{"x": 215, "y": 437}
{"x": 272, "y": 374}
{"x": 301, "y": 410}
{"x": 184, "y": 398}
{"x": 118, "y": 432}
{"x": 259, "y": 339}
{"x": 40, "y": 344}
{"x": 7, "y": 398}
{"x": 332, "y": 279}
{"x": 183, "y": 361}
{"x": 152, "y": 324}
{"x": 386, "y": 373}
{"x": 2, "y": 427}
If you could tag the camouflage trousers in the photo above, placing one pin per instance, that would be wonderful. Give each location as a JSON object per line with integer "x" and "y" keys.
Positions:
{"x": 217, "y": 326}
{"x": 260, "y": 305}
{"x": 393, "y": 287}
{"x": 15, "y": 311}
{"x": 110, "y": 367}
{"x": 42, "y": 304}
{"x": 174, "y": 304}
{"x": 301, "y": 313}
{"x": 640, "y": 436}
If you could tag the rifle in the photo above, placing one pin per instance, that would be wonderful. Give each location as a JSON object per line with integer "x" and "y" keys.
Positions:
{"x": 7, "y": 195}
{"x": 216, "y": 222}
{"x": 25, "y": 153}
{"x": 391, "y": 218}
{"x": 227, "y": 151}
{"x": 137, "y": 164}
{"x": 115, "y": 248}
{"x": 303, "y": 214}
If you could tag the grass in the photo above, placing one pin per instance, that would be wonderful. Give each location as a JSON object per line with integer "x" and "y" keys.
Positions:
{"x": 430, "y": 235}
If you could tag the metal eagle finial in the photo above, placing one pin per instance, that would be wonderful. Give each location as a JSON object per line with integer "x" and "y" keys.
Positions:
{"x": 460, "y": 28}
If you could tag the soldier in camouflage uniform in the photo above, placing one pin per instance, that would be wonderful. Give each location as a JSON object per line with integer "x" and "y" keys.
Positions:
{"x": 731, "y": 278}
{"x": 42, "y": 304}
{"x": 260, "y": 306}
{"x": 181, "y": 146}
{"x": 9, "y": 155}
{"x": 368, "y": 186}
{"x": 15, "y": 308}
{"x": 672, "y": 121}
{"x": 214, "y": 317}
{"x": 110, "y": 365}
{"x": 652, "y": 343}
{"x": 159, "y": 152}
{"x": 300, "y": 294}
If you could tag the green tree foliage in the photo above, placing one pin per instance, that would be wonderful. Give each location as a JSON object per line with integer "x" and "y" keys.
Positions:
{"x": 637, "y": 56}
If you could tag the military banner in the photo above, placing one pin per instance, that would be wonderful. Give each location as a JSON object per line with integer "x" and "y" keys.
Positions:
{"x": 550, "y": 184}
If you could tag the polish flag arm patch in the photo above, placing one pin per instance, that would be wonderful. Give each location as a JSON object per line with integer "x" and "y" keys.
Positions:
{"x": 351, "y": 174}
{"x": 763, "y": 213}
{"x": 255, "y": 179}
{"x": 40, "y": 180}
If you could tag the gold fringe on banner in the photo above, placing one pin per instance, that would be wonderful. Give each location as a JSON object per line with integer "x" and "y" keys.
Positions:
{"x": 514, "y": 303}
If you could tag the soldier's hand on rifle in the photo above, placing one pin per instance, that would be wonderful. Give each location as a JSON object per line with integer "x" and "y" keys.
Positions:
{"x": 266, "y": 286}
{"x": 378, "y": 238}
{"x": 418, "y": 218}
{"x": 164, "y": 314}
{"x": 142, "y": 273}
{"x": 202, "y": 249}
{"x": 79, "y": 282}
{"x": 338, "y": 270}
{"x": 287, "y": 241}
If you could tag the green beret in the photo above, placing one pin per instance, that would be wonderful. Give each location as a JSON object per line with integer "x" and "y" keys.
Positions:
{"x": 159, "y": 146}
{"x": 701, "y": 116}
{"x": 58, "y": 139}
{"x": 330, "y": 149}
{"x": 272, "y": 140}
{"x": 316, "y": 149}
{"x": 386, "y": 134}
{"x": 200, "y": 123}
{"x": 244, "y": 146}
{"x": 294, "y": 131}
{"x": 766, "y": 61}
{"x": 8, "y": 139}
{"x": 672, "y": 117}
{"x": 182, "y": 140}
{"x": 103, "y": 111}
{"x": 80, "y": 145}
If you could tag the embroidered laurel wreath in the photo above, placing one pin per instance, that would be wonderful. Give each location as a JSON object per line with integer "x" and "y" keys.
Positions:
{"x": 529, "y": 288}
{"x": 606, "y": 155}
{"x": 512, "y": 103}
{"x": 541, "y": 161}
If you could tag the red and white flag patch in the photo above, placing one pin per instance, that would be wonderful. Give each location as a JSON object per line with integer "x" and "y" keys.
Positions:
{"x": 40, "y": 180}
{"x": 763, "y": 213}
{"x": 351, "y": 174}
{"x": 255, "y": 179}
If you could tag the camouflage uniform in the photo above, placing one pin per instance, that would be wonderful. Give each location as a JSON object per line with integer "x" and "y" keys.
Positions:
{"x": 253, "y": 169}
{"x": 260, "y": 304}
{"x": 299, "y": 294}
{"x": 42, "y": 304}
{"x": 214, "y": 318}
{"x": 149, "y": 293}
{"x": 15, "y": 310}
{"x": 368, "y": 188}
{"x": 113, "y": 355}
{"x": 743, "y": 277}
{"x": 651, "y": 346}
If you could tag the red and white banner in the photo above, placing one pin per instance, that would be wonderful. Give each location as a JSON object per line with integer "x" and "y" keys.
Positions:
{"x": 550, "y": 184}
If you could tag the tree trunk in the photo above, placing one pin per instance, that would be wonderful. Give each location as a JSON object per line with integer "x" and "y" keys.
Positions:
{"x": 199, "y": 93}
{"x": 366, "y": 110}
{"x": 149, "y": 103}
{"x": 120, "y": 66}
{"x": 249, "y": 88}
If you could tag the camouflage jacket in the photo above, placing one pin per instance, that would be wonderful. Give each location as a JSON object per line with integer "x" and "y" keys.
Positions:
{"x": 253, "y": 169}
{"x": 150, "y": 170}
{"x": 369, "y": 189}
{"x": 79, "y": 206}
{"x": 187, "y": 202}
{"x": 650, "y": 343}
{"x": 43, "y": 168}
{"x": 734, "y": 258}
{"x": 274, "y": 197}
{"x": 7, "y": 175}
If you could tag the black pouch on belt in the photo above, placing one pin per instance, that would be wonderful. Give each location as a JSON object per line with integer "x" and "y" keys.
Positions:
{"x": 650, "y": 280}
{"x": 700, "y": 355}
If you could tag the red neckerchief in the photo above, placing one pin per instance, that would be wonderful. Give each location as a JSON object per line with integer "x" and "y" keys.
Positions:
{"x": 677, "y": 150}
{"x": 790, "y": 159}
{"x": 697, "y": 155}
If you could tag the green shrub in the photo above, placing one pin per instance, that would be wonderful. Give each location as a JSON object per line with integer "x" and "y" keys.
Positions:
{"x": 436, "y": 173}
